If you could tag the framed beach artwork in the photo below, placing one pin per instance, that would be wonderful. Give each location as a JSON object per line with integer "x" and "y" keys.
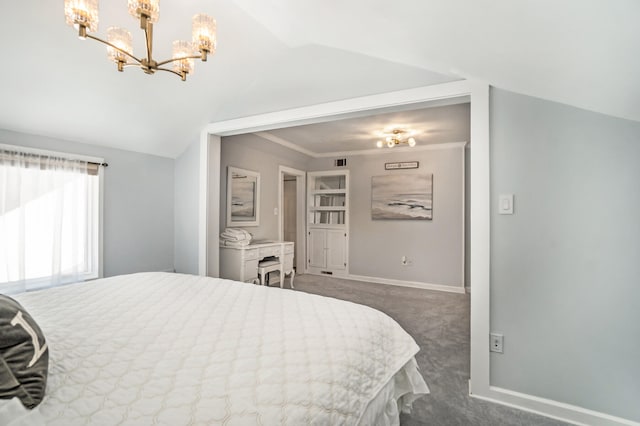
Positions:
{"x": 243, "y": 197}
{"x": 402, "y": 197}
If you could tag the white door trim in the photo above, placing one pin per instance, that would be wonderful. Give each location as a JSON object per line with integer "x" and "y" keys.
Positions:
{"x": 479, "y": 272}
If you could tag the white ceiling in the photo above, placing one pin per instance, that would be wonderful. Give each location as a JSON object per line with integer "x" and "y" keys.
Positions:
{"x": 428, "y": 126}
{"x": 283, "y": 54}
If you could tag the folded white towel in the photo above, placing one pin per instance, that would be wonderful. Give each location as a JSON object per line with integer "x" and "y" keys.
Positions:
{"x": 235, "y": 234}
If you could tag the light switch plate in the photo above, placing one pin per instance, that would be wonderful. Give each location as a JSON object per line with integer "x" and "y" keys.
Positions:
{"x": 505, "y": 204}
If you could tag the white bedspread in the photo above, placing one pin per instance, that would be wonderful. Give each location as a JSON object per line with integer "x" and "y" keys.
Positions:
{"x": 159, "y": 348}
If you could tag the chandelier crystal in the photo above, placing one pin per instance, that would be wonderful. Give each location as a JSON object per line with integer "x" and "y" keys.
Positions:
{"x": 396, "y": 137}
{"x": 83, "y": 16}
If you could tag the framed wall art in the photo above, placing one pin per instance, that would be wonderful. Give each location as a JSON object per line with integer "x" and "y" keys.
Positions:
{"x": 402, "y": 197}
{"x": 243, "y": 197}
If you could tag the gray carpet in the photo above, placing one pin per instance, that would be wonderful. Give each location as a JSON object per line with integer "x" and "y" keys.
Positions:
{"x": 439, "y": 322}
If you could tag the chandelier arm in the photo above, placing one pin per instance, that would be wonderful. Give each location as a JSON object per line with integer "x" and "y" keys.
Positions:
{"x": 179, "y": 59}
{"x": 183, "y": 77}
{"x": 115, "y": 47}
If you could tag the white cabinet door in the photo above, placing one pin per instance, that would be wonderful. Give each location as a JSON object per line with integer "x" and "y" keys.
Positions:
{"x": 316, "y": 242}
{"x": 336, "y": 249}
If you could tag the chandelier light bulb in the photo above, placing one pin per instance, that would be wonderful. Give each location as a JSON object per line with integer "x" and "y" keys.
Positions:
{"x": 204, "y": 34}
{"x": 122, "y": 39}
{"x": 396, "y": 137}
{"x": 183, "y": 52}
{"x": 82, "y": 15}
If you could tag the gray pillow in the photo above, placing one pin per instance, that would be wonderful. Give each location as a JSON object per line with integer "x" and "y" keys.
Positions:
{"x": 24, "y": 356}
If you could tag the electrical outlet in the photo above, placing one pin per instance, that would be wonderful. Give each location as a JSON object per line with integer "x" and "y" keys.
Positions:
{"x": 404, "y": 261}
{"x": 496, "y": 343}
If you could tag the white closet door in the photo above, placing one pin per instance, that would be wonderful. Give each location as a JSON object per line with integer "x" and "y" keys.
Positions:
{"x": 336, "y": 249}
{"x": 316, "y": 248}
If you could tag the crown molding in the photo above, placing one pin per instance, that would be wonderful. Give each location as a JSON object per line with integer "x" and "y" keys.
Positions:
{"x": 288, "y": 144}
{"x": 374, "y": 151}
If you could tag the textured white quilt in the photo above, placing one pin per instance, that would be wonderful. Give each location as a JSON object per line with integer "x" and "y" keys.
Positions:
{"x": 160, "y": 348}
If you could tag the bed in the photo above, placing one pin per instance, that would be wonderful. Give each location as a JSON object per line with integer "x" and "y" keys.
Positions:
{"x": 163, "y": 348}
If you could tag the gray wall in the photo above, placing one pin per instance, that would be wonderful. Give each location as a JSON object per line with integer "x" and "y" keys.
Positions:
{"x": 186, "y": 193}
{"x": 433, "y": 247}
{"x": 254, "y": 153}
{"x": 565, "y": 266}
{"x": 138, "y": 204}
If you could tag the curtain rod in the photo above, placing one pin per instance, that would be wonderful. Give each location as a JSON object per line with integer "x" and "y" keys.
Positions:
{"x": 39, "y": 152}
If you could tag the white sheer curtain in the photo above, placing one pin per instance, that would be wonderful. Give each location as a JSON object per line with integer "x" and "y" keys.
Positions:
{"x": 46, "y": 221}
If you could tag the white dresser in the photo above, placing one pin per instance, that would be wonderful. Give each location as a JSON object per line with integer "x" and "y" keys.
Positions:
{"x": 241, "y": 263}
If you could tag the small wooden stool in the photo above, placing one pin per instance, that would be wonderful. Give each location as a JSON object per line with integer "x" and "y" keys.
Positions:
{"x": 267, "y": 266}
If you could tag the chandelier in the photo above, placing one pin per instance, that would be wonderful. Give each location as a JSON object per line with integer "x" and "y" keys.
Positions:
{"x": 396, "y": 137}
{"x": 83, "y": 15}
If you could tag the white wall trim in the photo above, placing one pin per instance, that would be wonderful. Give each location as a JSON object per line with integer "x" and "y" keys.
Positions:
{"x": 374, "y": 151}
{"x": 382, "y": 151}
{"x": 401, "y": 283}
{"x": 464, "y": 212}
{"x": 287, "y": 144}
{"x": 480, "y": 239}
{"x": 203, "y": 205}
{"x": 343, "y": 109}
{"x": 213, "y": 214}
{"x": 553, "y": 409}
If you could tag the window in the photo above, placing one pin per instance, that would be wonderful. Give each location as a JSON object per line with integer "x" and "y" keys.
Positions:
{"x": 49, "y": 218}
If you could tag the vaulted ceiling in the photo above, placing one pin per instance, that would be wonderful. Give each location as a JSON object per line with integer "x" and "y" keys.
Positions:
{"x": 283, "y": 54}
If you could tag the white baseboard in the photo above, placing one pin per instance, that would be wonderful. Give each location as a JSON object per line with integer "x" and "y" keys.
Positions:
{"x": 553, "y": 409}
{"x": 413, "y": 284}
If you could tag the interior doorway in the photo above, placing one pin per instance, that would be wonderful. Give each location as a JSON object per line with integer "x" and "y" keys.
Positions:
{"x": 480, "y": 247}
{"x": 289, "y": 209}
{"x": 291, "y": 205}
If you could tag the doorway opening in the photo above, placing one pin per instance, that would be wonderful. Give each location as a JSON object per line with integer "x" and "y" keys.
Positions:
{"x": 291, "y": 196}
{"x": 479, "y": 239}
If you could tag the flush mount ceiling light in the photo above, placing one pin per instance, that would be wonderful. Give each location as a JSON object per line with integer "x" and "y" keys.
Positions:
{"x": 83, "y": 15}
{"x": 395, "y": 137}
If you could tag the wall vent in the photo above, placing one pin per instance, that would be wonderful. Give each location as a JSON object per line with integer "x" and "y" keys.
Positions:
{"x": 340, "y": 162}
